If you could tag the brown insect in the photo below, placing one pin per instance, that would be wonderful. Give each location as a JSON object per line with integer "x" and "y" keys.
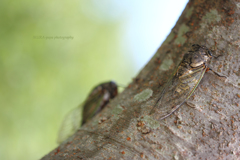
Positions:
{"x": 95, "y": 102}
{"x": 184, "y": 81}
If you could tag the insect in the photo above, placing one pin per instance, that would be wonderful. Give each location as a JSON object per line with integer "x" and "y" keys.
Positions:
{"x": 95, "y": 102}
{"x": 184, "y": 81}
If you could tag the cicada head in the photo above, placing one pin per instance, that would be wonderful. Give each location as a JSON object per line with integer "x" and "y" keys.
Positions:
{"x": 199, "y": 56}
{"x": 109, "y": 88}
{"x": 112, "y": 89}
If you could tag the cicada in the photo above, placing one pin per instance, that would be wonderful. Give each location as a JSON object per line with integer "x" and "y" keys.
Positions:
{"x": 184, "y": 81}
{"x": 95, "y": 102}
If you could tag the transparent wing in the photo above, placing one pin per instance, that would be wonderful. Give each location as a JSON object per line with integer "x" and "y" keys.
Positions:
{"x": 178, "y": 89}
{"x": 70, "y": 124}
{"x": 73, "y": 120}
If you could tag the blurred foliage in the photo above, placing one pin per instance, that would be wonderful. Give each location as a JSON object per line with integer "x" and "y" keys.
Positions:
{"x": 42, "y": 79}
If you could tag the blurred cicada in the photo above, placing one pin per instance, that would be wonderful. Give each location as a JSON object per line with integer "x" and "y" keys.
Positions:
{"x": 184, "y": 81}
{"x": 95, "y": 102}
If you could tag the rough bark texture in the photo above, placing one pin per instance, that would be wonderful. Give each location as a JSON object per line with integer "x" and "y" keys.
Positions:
{"x": 207, "y": 128}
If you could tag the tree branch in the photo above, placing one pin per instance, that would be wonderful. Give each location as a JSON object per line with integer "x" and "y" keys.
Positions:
{"x": 206, "y": 127}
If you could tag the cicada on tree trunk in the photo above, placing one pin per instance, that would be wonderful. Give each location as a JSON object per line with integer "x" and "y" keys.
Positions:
{"x": 184, "y": 81}
{"x": 95, "y": 102}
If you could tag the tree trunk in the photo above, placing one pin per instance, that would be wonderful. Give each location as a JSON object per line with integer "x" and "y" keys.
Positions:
{"x": 205, "y": 127}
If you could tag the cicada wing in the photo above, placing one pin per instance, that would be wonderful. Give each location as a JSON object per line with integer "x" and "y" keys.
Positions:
{"x": 70, "y": 124}
{"x": 177, "y": 91}
{"x": 75, "y": 118}
{"x": 84, "y": 112}
{"x": 98, "y": 99}
{"x": 92, "y": 106}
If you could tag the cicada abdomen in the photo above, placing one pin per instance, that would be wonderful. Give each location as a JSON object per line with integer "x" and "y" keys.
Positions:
{"x": 184, "y": 81}
{"x": 95, "y": 102}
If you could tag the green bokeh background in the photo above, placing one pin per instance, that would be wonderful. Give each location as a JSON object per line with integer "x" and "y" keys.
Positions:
{"x": 42, "y": 79}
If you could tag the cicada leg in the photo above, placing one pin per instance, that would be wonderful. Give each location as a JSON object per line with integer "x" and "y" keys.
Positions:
{"x": 217, "y": 56}
{"x": 209, "y": 69}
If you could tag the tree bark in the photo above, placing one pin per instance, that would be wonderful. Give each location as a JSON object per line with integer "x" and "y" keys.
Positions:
{"x": 205, "y": 127}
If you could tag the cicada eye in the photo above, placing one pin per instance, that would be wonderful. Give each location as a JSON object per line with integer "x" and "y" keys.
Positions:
{"x": 210, "y": 53}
